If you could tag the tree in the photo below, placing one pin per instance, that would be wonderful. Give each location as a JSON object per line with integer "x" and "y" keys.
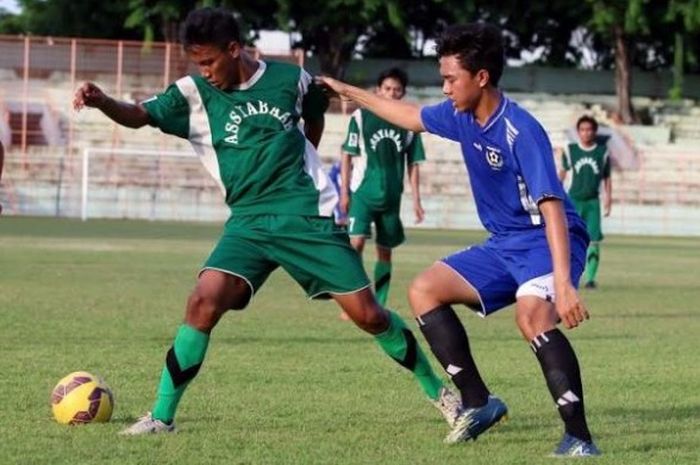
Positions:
{"x": 546, "y": 27}
{"x": 620, "y": 21}
{"x": 70, "y": 18}
{"x": 684, "y": 16}
{"x": 331, "y": 29}
{"x": 161, "y": 19}
{"x": 158, "y": 19}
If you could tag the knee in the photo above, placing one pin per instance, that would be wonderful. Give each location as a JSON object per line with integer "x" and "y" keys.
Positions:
{"x": 420, "y": 291}
{"x": 525, "y": 323}
{"x": 202, "y": 312}
{"x": 534, "y": 320}
{"x": 373, "y": 320}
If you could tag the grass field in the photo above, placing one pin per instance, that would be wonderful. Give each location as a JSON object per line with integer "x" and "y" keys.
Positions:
{"x": 286, "y": 382}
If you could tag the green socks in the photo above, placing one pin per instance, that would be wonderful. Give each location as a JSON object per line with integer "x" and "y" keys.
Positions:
{"x": 382, "y": 279}
{"x": 181, "y": 366}
{"x": 399, "y": 343}
{"x": 592, "y": 261}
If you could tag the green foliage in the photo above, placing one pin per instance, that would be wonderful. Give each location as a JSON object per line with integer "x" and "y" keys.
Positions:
{"x": 627, "y": 14}
{"x": 286, "y": 382}
{"x": 72, "y": 18}
{"x": 684, "y": 16}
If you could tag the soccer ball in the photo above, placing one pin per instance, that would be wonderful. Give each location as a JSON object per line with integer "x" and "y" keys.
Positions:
{"x": 81, "y": 398}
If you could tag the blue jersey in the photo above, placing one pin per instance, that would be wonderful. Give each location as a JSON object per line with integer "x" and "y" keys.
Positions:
{"x": 510, "y": 165}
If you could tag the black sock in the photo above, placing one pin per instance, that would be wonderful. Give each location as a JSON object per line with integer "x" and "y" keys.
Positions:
{"x": 448, "y": 341}
{"x": 561, "y": 371}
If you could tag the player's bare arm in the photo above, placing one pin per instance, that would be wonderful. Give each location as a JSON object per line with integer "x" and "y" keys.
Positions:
{"x": 414, "y": 178}
{"x": 607, "y": 205}
{"x": 562, "y": 175}
{"x": 313, "y": 130}
{"x": 345, "y": 170}
{"x": 126, "y": 114}
{"x": 398, "y": 112}
{"x": 568, "y": 305}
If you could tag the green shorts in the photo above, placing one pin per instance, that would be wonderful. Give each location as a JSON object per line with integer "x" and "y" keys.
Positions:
{"x": 589, "y": 210}
{"x": 314, "y": 251}
{"x": 387, "y": 223}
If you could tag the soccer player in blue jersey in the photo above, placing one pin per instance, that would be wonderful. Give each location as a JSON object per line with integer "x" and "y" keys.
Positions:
{"x": 537, "y": 247}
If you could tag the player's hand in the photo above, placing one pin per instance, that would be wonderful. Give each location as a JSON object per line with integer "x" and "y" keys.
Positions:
{"x": 344, "y": 203}
{"x": 333, "y": 87}
{"x": 607, "y": 208}
{"x": 88, "y": 95}
{"x": 569, "y": 306}
{"x": 419, "y": 212}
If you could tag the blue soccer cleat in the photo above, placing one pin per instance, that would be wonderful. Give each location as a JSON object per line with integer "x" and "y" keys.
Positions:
{"x": 474, "y": 421}
{"x": 571, "y": 446}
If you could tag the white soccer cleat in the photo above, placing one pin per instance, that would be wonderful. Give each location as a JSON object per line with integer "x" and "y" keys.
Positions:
{"x": 148, "y": 425}
{"x": 449, "y": 404}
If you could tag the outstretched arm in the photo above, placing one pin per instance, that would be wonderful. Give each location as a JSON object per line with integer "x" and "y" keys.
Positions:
{"x": 127, "y": 114}
{"x": 398, "y": 112}
{"x": 569, "y": 306}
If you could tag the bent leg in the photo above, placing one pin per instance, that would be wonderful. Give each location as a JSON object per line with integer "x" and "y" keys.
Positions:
{"x": 215, "y": 293}
{"x": 392, "y": 335}
{"x": 382, "y": 274}
{"x": 537, "y": 319}
{"x": 592, "y": 262}
{"x": 431, "y": 294}
{"x": 358, "y": 243}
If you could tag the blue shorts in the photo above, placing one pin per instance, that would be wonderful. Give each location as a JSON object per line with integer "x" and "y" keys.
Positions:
{"x": 501, "y": 274}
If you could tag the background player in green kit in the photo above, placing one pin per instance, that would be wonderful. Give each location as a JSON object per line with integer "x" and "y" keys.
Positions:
{"x": 243, "y": 119}
{"x": 374, "y": 157}
{"x": 589, "y": 163}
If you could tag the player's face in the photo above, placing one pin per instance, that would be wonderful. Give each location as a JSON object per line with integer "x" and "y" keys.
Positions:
{"x": 391, "y": 88}
{"x": 461, "y": 86}
{"x": 586, "y": 133}
{"x": 216, "y": 65}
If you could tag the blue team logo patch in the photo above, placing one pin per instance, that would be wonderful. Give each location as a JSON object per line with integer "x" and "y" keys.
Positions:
{"x": 494, "y": 158}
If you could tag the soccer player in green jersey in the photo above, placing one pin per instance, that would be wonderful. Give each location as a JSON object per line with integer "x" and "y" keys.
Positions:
{"x": 376, "y": 152}
{"x": 589, "y": 163}
{"x": 243, "y": 119}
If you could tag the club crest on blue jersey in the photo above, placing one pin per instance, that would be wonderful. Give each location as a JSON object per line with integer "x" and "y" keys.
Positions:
{"x": 494, "y": 158}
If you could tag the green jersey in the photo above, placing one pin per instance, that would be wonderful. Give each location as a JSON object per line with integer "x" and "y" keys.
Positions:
{"x": 251, "y": 140}
{"x": 380, "y": 152}
{"x": 589, "y": 167}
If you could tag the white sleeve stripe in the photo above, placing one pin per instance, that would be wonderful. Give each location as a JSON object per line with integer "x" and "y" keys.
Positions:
{"x": 200, "y": 136}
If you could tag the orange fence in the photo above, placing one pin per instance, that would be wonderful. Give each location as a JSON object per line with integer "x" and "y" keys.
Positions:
{"x": 28, "y": 65}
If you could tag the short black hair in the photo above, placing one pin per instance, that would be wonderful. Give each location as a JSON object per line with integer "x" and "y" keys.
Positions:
{"x": 477, "y": 46}
{"x": 587, "y": 119}
{"x": 210, "y": 26}
{"x": 393, "y": 73}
